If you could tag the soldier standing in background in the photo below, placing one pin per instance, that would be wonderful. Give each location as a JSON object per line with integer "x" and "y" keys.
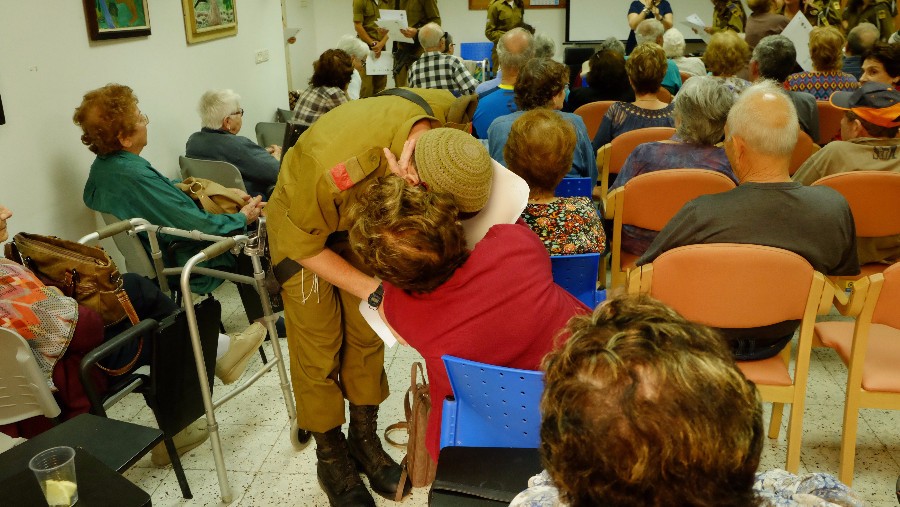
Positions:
{"x": 878, "y": 12}
{"x": 365, "y": 13}
{"x": 418, "y": 14}
{"x": 502, "y": 16}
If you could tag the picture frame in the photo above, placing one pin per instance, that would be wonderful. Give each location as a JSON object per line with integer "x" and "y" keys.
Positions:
{"x": 117, "y": 19}
{"x": 206, "y": 20}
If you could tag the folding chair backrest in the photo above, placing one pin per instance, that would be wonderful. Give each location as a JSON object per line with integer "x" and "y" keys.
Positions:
{"x": 24, "y": 391}
{"x": 874, "y": 198}
{"x": 269, "y": 133}
{"x": 578, "y": 275}
{"x": 493, "y": 406}
{"x": 829, "y": 121}
{"x": 575, "y": 187}
{"x": 592, "y": 113}
{"x": 174, "y": 384}
{"x": 615, "y": 153}
{"x": 284, "y": 115}
{"x": 886, "y": 309}
{"x": 129, "y": 245}
{"x": 221, "y": 172}
{"x": 733, "y": 286}
{"x": 477, "y": 51}
{"x": 804, "y": 149}
{"x": 652, "y": 199}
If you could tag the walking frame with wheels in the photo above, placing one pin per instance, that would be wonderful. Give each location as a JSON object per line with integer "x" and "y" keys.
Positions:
{"x": 240, "y": 244}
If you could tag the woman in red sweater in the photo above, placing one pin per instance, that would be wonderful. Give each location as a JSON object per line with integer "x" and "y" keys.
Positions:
{"x": 494, "y": 304}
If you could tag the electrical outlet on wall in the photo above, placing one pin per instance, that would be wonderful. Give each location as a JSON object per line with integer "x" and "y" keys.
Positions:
{"x": 262, "y": 56}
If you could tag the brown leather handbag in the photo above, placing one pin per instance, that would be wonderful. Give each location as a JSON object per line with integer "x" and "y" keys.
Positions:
{"x": 417, "y": 464}
{"x": 84, "y": 273}
{"x": 211, "y": 196}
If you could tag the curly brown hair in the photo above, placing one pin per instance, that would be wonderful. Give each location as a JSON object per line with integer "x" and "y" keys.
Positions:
{"x": 333, "y": 68}
{"x": 726, "y": 54}
{"x": 540, "y": 79}
{"x": 826, "y": 48}
{"x": 407, "y": 235}
{"x": 642, "y": 407}
{"x": 104, "y": 115}
{"x": 540, "y": 148}
{"x": 646, "y": 68}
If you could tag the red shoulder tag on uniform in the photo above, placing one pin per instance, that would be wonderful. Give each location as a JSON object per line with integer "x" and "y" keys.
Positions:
{"x": 341, "y": 177}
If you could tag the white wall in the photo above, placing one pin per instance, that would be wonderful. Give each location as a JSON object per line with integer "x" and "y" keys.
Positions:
{"x": 45, "y": 70}
{"x": 48, "y": 62}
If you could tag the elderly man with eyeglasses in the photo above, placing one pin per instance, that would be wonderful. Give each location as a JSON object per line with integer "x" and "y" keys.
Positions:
{"x": 222, "y": 117}
{"x": 436, "y": 69}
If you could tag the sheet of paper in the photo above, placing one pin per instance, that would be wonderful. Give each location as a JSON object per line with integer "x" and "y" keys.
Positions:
{"x": 393, "y": 21}
{"x": 507, "y": 200}
{"x": 798, "y": 32}
{"x": 381, "y": 66}
{"x": 374, "y": 320}
{"x": 696, "y": 24}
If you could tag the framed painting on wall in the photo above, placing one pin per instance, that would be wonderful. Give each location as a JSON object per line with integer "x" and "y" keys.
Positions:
{"x": 116, "y": 19}
{"x": 209, "y": 19}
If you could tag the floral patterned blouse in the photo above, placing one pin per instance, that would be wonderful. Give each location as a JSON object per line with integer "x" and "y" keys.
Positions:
{"x": 568, "y": 225}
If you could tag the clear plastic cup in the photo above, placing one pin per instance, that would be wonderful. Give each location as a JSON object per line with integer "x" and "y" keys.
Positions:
{"x": 55, "y": 472}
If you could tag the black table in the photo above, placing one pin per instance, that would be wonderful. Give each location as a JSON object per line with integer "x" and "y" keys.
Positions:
{"x": 98, "y": 485}
{"x": 117, "y": 444}
{"x": 482, "y": 476}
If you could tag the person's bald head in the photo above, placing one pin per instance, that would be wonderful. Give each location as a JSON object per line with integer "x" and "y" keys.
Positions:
{"x": 761, "y": 131}
{"x": 515, "y": 48}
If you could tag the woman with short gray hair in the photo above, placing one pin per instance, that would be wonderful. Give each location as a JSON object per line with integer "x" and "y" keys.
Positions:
{"x": 358, "y": 51}
{"x": 701, "y": 108}
{"x": 222, "y": 117}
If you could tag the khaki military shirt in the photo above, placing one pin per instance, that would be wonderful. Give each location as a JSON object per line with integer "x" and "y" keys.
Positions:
{"x": 729, "y": 16}
{"x": 367, "y": 12}
{"x": 879, "y": 14}
{"x": 821, "y": 12}
{"x": 419, "y": 12}
{"x": 501, "y": 18}
{"x": 337, "y": 158}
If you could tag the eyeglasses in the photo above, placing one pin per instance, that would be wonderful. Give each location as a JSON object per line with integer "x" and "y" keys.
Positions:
{"x": 237, "y": 113}
{"x": 144, "y": 119}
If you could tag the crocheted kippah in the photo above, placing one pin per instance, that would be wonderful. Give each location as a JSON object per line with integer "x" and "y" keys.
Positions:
{"x": 449, "y": 160}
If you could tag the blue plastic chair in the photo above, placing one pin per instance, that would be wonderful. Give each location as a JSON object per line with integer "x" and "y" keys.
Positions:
{"x": 574, "y": 187}
{"x": 477, "y": 51}
{"x": 493, "y": 406}
{"x": 578, "y": 275}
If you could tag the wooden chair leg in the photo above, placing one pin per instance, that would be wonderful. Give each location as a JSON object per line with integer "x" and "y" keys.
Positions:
{"x": 794, "y": 436}
{"x": 775, "y": 420}
{"x": 848, "y": 437}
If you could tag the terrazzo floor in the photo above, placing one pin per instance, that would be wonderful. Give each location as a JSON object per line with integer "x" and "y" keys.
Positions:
{"x": 264, "y": 470}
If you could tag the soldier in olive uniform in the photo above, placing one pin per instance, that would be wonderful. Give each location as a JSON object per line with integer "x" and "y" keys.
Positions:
{"x": 502, "y": 16}
{"x": 817, "y": 12}
{"x": 823, "y": 12}
{"x": 418, "y": 14}
{"x": 365, "y": 13}
{"x": 877, "y": 12}
{"x": 727, "y": 15}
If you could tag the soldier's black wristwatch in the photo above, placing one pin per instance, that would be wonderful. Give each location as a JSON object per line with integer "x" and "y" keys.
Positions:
{"x": 376, "y": 297}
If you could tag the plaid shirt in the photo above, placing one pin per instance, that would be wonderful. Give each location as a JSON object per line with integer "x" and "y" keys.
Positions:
{"x": 446, "y": 72}
{"x": 316, "y": 101}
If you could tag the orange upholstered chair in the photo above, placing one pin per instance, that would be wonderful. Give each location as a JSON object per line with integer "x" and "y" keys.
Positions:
{"x": 871, "y": 349}
{"x": 741, "y": 286}
{"x": 649, "y": 201}
{"x": 803, "y": 150}
{"x": 611, "y": 156}
{"x": 592, "y": 113}
{"x": 829, "y": 122}
{"x": 874, "y": 198}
